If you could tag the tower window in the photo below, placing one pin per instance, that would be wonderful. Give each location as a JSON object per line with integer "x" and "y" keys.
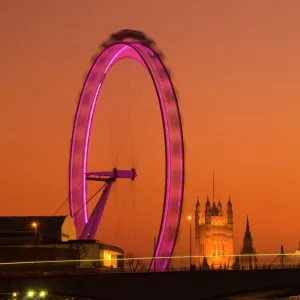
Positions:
{"x": 218, "y": 248}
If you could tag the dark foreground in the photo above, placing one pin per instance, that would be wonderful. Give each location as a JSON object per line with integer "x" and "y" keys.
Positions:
{"x": 174, "y": 285}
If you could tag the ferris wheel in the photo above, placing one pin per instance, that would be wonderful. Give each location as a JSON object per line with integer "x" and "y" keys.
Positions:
{"x": 135, "y": 45}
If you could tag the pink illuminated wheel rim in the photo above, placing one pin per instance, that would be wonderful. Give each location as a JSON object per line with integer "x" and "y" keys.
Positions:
{"x": 135, "y": 45}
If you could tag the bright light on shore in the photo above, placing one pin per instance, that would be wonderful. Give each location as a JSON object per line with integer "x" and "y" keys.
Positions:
{"x": 34, "y": 224}
{"x": 30, "y": 294}
{"x": 42, "y": 294}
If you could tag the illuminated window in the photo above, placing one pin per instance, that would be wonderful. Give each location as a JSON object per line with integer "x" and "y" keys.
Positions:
{"x": 218, "y": 248}
{"x": 107, "y": 259}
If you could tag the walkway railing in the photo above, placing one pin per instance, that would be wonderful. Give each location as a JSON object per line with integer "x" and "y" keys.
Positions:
{"x": 140, "y": 264}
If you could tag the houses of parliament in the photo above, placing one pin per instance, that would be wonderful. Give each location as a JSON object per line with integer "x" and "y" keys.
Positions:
{"x": 214, "y": 237}
{"x": 214, "y": 233}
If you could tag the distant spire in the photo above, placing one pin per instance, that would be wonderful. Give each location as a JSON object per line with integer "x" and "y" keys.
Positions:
{"x": 247, "y": 232}
{"x": 247, "y": 245}
{"x": 198, "y": 202}
{"x": 247, "y": 226}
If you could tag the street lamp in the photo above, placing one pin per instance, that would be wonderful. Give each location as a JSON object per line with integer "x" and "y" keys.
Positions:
{"x": 43, "y": 294}
{"x": 35, "y": 225}
{"x": 30, "y": 294}
{"x": 190, "y": 220}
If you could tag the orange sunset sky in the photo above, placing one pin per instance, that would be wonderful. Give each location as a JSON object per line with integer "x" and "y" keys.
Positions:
{"x": 236, "y": 67}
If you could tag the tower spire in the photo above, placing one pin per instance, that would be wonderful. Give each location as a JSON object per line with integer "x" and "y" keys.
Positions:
{"x": 247, "y": 232}
{"x": 247, "y": 247}
{"x": 247, "y": 226}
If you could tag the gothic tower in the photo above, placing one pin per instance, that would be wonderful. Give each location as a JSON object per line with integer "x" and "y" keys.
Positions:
{"x": 214, "y": 233}
{"x": 248, "y": 258}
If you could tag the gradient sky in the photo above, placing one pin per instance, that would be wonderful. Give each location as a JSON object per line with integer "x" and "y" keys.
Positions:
{"x": 236, "y": 67}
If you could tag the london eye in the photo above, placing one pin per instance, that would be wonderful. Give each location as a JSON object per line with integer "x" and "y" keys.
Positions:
{"x": 132, "y": 45}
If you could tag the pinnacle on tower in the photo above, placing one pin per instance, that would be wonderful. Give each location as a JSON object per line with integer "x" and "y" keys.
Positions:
{"x": 197, "y": 212}
{"x": 219, "y": 203}
{"x": 207, "y": 211}
{"x": 229, "y": 212}
{"x": 214, "y": 209}
{"x": 229, "y": 202}
{"x": 207, "y": 202}
{"x": 220, "y": 209}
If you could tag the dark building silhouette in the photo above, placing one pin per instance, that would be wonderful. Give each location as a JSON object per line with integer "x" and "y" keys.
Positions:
{"x": 248, "y": 257}
{"x": 49, "y": 230}
{"x": 51, "y": 238}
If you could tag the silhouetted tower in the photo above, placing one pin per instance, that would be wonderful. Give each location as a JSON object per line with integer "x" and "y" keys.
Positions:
{"x": 220, "y": 208}
{"x": 248, "y": 241}
{"x": 214, "y": 210}
{"x": 229, "y": 212}
{"x": 207, "y": 211}
{"x": 248, "y": 253}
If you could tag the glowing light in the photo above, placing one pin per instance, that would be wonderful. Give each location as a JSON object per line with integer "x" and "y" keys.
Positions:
{"x": 107, "y": 259}
{"x": 30, "y": 294}
{"x": 143, "y": 258}
{"x": 42, "y": 294}
{"x": 87, "y": 135}
{"x": 14, "y": 294}
{"x": 34, "y": 225}
{"x": 190, "y": 218}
